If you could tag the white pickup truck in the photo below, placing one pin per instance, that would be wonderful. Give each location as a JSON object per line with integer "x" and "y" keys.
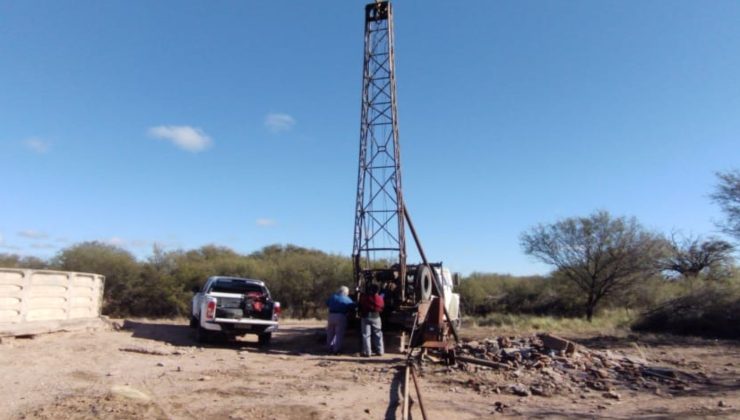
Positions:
{"x": 232, "y": 306}
{"x": 452, "y": 300}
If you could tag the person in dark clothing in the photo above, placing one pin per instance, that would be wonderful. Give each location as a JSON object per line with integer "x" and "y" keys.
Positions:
{"x": 339, "y": 306}
{"x": 371, "y": 305}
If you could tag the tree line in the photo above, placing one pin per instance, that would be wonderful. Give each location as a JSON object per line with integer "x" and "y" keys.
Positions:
{"x": 160, "y": 286}
{"x": 599, "y": 261}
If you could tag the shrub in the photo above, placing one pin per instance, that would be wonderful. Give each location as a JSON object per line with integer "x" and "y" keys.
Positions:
{"x": 713, "y": 311}
{"x": 482, "y": 294}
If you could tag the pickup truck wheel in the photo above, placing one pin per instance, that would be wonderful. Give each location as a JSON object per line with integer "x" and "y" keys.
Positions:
{"x": 193, "y": 322}
{"x": 202, "y": 335}
{"x": 264, "y": 339}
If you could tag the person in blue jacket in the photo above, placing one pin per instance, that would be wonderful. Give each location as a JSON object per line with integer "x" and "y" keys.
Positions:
{"x": 339, "y": 306}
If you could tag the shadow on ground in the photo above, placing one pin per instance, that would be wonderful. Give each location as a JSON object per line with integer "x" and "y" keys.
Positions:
{"x": 289, "y": 340}
{"x": 175, "y": 334}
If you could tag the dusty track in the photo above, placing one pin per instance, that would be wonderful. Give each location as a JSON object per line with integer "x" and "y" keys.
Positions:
{"x": 87, "y": 375}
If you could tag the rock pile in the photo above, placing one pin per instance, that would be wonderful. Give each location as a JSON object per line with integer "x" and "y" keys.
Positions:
{"x": 546, "y": 365}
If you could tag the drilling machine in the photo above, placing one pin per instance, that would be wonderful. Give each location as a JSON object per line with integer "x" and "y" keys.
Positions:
{"x": 419, "y": 297}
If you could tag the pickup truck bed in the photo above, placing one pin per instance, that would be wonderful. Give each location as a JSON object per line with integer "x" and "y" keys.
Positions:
{"x": 231, "y": 306}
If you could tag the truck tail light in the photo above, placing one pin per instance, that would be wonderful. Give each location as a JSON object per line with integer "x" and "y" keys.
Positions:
{"x": 277, "y": 309}
{"x": 211, "y": 309}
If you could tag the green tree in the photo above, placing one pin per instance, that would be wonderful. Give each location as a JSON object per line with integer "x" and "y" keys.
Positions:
{"x": 597, "y": 253}
{"x": 17, "y": 261}
{"x": 693, "y": 257}
{"x": 300, "y": 278}
{"x": 120, "y": 268}
{"x": 485, "y": 293}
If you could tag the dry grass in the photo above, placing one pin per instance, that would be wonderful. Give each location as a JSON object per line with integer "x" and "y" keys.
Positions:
{"x": 615, "y": 322}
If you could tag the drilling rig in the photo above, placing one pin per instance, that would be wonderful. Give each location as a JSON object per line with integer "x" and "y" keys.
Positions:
{"x": 418, "y": 297}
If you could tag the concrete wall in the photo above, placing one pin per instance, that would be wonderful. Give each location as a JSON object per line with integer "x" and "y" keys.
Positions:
{"x": 31, "y": 298}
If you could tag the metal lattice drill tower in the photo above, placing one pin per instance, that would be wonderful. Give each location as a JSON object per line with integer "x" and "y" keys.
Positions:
{"x": 379, "y": 218}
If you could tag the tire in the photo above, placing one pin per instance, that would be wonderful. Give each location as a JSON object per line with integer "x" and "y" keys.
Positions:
{"x": 264, "y": 339}
{"x": 193, "y": 322}
{"x": 423, "y": 279}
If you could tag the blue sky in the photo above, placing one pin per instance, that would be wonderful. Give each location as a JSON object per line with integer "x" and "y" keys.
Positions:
{"x": 237, "y": 123}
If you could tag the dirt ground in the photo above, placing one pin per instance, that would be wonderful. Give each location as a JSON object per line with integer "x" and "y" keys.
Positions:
{"x": 154, "y": 369}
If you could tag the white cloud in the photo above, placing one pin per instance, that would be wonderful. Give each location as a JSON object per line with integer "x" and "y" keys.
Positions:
{"x": 32, "y": 234}
{"x": 37, "y": 145}
{"x": 183, "y": 136}
{"x": 42, "y": 245}
{"x": 115, "y": 241}
{"x": 279, "y": 122}
{"x": 266, "y": 222}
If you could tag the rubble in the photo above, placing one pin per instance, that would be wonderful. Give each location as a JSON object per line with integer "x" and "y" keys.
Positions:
{"x": 545, "y": 365}
{"x": 128, "y": 392}
{"x": 521, "y": 390}
{"x": 499, "y": 407}
{"x": 612, "y": 395}
{"x": 144, "y": 350}
{"x": 558, "y": 344}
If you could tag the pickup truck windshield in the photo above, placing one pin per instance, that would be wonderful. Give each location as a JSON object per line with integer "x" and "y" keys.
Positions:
{"x": 236, "y": 286}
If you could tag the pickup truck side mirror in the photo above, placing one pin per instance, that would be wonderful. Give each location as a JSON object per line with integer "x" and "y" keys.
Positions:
{"x": 196, "y": 289}
{"x": 456, "y": 279}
